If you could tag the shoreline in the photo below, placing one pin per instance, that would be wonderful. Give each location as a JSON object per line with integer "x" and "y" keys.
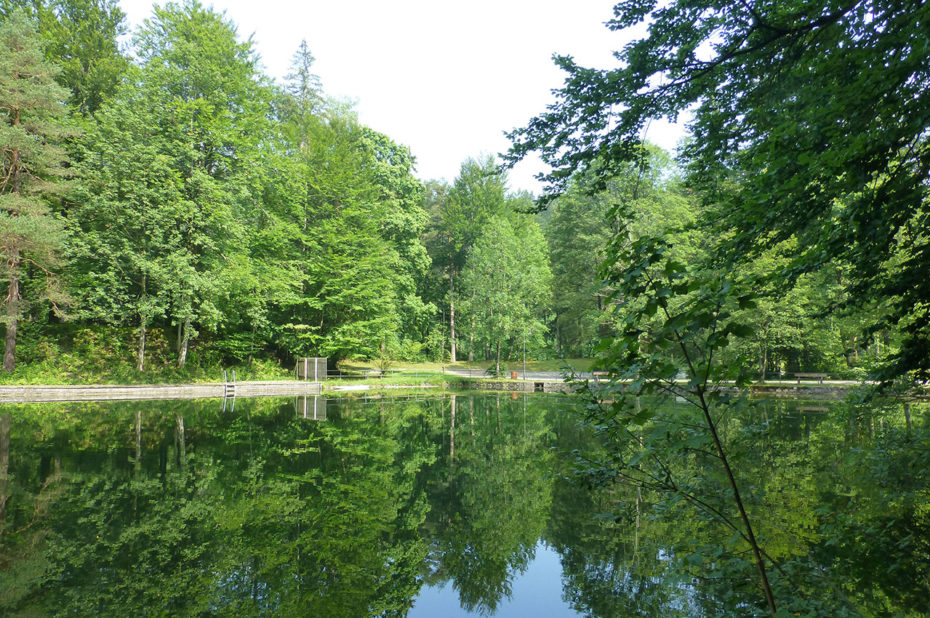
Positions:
{"x": 139, "y": 392}
{"x": 271, "y": 388}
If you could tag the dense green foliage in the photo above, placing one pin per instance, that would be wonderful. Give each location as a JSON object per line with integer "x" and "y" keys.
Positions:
{"x": 211, "y": 206}
{"x": 506, "y": 282}
{"x": 81, "y": 37}
{"x": 809, "y": 139}
{"x": 808, "y": 174}
{"x": 216, "y": 218}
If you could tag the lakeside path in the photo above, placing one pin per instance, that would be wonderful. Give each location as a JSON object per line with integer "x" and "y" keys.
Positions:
{"x": 538, "y": 381}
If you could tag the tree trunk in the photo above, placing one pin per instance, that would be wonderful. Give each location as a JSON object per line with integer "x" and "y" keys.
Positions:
{"x": 182, "y": 446}
{"x": 750, "y": 535}
{"x": 852, "y": 353}
{"x": 497, "y": 364}
{"x": 137, "y": 464}
{"x": 451, "y": 311}
{"x": 471, "y": 341}
{"x": 140, "y": 352}
{"x": 13, "y": 295}
{"x": 498, "y": 413}
{"x": 12, "y": 313}
{"x": 143, "y": 322}
{"x": 185, "y": 340}
{"x": 762, "y": 362}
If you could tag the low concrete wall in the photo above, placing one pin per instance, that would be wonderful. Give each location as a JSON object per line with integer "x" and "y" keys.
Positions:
{"x": 106, "y": 392}
{"x": 786, "y": 390}
{"x": 354, "y": 388}
{"x": 528, "y": 386}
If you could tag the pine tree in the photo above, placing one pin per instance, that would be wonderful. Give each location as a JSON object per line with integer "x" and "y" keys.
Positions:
{"x": 32, "y": 108}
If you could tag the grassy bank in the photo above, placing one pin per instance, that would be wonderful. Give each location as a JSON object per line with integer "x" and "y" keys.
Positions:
{"x": 578, "y": 364}
{"x": 71, "y": 370}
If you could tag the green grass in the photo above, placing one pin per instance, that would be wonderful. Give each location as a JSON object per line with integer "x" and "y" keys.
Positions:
{"x": 771, "y": 385}
{"x": 100, "y": 367}
{"x": 70, "y": 370}
{"x": 579, "y": 364}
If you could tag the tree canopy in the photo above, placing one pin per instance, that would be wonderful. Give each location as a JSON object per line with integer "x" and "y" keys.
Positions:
{"x": 809, "y": 122}
{"x": 219, "y": 217}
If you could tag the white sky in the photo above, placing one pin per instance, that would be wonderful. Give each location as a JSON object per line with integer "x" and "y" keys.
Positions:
{"x": 445, "y": 78}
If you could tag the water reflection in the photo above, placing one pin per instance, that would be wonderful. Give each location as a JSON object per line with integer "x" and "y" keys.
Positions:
{"x": 535, "y": 592}
{"x": 312, "y": 407}
{"x": 416, "y": 506}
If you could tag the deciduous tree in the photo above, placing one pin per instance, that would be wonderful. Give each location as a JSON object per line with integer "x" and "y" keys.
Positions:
{"x": 169, "y": 220}
{"x": 507, "y": 281}
{"x": 82, "y": 38}
{"x": 809, "y": 122}
{"x": 478, "y": 193}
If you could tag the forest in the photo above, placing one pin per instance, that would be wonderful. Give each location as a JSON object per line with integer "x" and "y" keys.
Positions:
{"x": 167, "y": 208}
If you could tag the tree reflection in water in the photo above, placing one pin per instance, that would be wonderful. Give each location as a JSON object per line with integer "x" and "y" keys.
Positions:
{"x": 186, "y": 508}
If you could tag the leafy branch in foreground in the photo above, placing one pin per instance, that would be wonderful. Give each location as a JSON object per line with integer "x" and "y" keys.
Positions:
{"x": 673, "y": 322}
{"x": 809, "y": 125}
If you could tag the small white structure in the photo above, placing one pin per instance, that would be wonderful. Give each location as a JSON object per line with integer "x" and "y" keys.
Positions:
{"x": 312, "y": 369}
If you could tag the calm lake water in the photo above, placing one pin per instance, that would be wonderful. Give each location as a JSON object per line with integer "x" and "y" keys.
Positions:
{"x": 471, "y": 504}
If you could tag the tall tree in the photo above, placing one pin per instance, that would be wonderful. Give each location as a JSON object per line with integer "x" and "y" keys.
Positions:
{"x": 582, "y": 225}
{"x": 303, "y": 85}
{"x": 338, "y": 187}
{"x": 196, "y": 114}
{"x": 507, "y": 281}
{"x": 816, "y": 109}
{"x": 433, "y": 287}
{"x": 400, "y": 194}
{"x": 82, "y": 38}
{"x": 218, "y": 114}
{"x": 578, "y": 232}
{"x": 33, "y": 171}
{"x": 128, "y": 214}
{"x": 477, "y": 194}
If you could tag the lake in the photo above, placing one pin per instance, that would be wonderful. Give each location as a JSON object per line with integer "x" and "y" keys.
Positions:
{"x": 447, "y": 505}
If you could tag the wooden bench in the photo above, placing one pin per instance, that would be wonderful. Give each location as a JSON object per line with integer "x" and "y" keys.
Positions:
{"x": 599, "y": 374}
{"x": 819, "y": 376}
